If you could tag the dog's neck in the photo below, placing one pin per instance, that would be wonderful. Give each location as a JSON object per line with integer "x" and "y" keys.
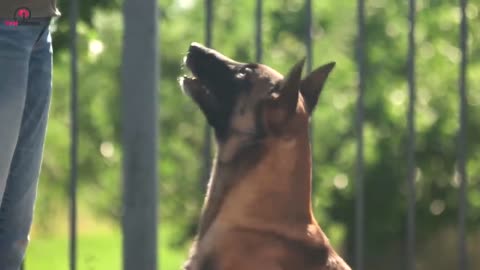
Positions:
{"x": 280, "y": 178}
{"x": 266, "y": 178}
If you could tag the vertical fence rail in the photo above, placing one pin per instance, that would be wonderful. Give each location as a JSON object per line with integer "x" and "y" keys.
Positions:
{"x": 359, "y": 183}
{"x": 410, "y": 247}
{"x": 308, "y": 36}
{"x": 208, "y": 22}
{"x": 74, "y": 135}
{"x": 258, "y": 31}
{"x": 139, "y": 133}
{"x": 207, "y": 150}
{"x": 462, "y": 141}
{"x": 308, "y": 47}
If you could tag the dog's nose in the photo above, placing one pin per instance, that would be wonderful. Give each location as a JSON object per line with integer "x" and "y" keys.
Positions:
{"x": 197, "y": 47}
{"x": 199, "y": 53}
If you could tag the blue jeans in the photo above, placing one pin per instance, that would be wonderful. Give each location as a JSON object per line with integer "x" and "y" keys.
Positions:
{"x": 25, "y": 91}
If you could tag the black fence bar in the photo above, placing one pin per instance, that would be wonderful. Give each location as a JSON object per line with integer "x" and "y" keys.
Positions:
{"x": 359, "y": 185}
{"x": 410, "y": 246}
{"x": 74, "y": 134}
{"x": 140, "y": 76}
{"x": 308, "y": 36}
{"x": 258, "y": 31}
{"x": 209, "y": 22}
{"x": 462, "y": 141}
{"x": 308, "y": 47}
{"x": 207, "y": 150}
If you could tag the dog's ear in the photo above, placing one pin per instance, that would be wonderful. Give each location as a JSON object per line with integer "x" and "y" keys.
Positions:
{"x": 288, "y": 92}
{"x": 284, "y": 100}
{"x": 312, "y": 85}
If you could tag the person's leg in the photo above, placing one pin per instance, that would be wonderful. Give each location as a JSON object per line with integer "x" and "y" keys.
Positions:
{"x": 14, "y": 58}
{"x": 16, "y": 210}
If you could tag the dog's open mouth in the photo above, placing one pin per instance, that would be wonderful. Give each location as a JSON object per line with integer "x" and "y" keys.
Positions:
{"x": 210, "y": 80}
{"x": 198, "y": 71}
{"x": 190, "y": 81}
{"x": 207, "y": 70}
{"x": 188, "y": 71}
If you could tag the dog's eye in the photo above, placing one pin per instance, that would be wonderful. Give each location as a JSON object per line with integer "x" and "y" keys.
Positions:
{"x": 243, "y": 72}
{"x": 274, "y": 89}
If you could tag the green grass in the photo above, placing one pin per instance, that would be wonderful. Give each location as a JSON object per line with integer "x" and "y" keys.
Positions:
{"x": 96, "y": 251}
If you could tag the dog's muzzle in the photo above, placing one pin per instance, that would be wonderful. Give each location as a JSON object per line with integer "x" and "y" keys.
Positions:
{"x": 208, "y": 69}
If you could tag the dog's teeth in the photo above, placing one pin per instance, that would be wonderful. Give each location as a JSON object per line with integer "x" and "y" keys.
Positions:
{"x": 180, "y": 81}
{"x": 189, "y": 74}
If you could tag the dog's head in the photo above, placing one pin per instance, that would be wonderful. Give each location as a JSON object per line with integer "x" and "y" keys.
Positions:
{"x": 248, "y": 99}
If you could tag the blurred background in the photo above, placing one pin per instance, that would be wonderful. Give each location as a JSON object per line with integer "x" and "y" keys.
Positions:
{"x": 181, "y": 126}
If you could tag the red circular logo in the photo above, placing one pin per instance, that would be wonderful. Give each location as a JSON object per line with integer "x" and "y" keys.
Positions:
{"x": 22, "y": 14}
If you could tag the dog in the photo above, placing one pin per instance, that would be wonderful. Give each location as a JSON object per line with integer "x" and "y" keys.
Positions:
{"x": 257, "y": 213}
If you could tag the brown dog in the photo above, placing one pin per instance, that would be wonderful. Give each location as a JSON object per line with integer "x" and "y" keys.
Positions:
{"x": 257, "y": 213}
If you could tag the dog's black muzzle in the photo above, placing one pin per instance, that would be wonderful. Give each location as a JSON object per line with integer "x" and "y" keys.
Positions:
{"x": 213, "y": 69}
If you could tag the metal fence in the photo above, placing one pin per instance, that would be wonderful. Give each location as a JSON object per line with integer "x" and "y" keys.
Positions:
{"x": 139, "y": 97}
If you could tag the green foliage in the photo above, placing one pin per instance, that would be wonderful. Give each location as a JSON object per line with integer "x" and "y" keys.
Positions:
{"x": 181, "y": 124}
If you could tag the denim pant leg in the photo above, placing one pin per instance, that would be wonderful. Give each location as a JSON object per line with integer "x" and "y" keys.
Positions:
{"x": 14, "y": 58}
{"x": 28, "y": 97}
